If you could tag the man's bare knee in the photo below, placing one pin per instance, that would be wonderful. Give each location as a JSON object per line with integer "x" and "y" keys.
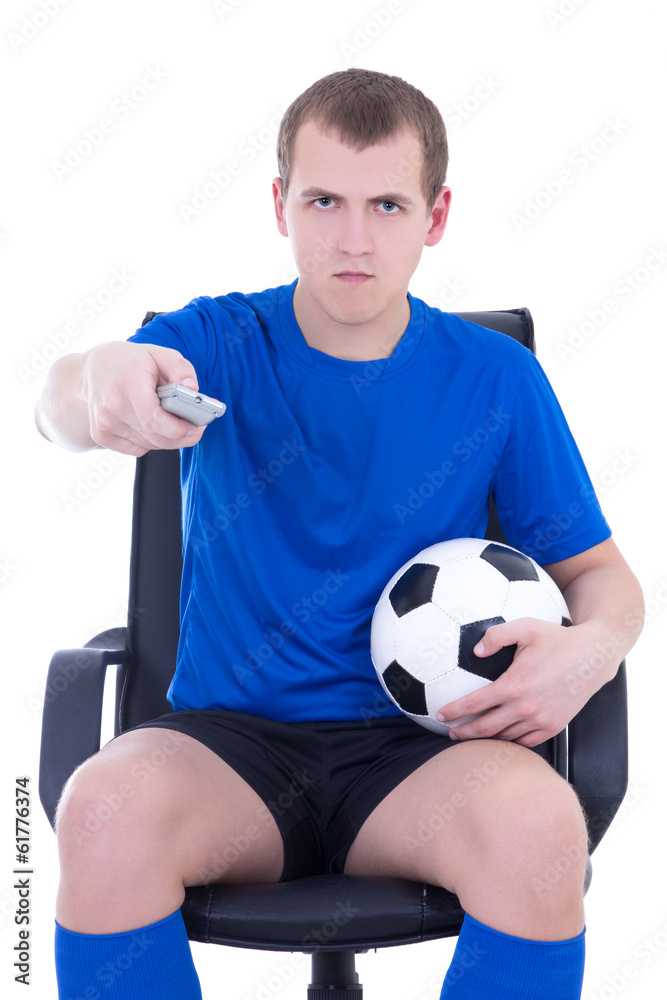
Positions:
{"x": 101, "y": 807}
{"x": 523, "y": 817}
{"x": 158, "y": 792}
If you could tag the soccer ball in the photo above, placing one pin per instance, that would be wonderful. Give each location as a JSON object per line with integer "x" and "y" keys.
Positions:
{"x": 437, "y": 607}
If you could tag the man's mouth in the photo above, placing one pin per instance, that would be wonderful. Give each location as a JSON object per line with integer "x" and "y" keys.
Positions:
{"x": 353, "y": 277}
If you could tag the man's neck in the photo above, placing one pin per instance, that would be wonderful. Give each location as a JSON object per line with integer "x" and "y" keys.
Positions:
{"x": 362, "y": 341}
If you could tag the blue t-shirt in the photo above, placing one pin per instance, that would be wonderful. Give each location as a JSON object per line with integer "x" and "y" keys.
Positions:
{"x": 324, "y": 476}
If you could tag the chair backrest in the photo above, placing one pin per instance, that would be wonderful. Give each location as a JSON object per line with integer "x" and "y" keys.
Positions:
{"x": 156, "y": 563}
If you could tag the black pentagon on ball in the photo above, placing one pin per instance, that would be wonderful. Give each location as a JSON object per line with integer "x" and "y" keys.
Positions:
{"x": 512, "y": 564}
{"x": 414, "y": 588}
{"x": 490, "y": 667}
{"x": 406, "y": 690}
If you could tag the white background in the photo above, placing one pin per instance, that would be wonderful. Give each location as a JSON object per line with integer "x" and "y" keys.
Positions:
{"x": 537, "y": 90}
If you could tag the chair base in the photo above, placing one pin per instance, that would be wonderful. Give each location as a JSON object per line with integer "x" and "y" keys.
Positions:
{"x": 335, "y": 992}
{"x": 334, "y": 976}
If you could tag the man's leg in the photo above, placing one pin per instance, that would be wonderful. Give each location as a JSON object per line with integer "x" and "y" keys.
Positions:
{"x": 492, "y": 822}
{"x": 155, "y": 810}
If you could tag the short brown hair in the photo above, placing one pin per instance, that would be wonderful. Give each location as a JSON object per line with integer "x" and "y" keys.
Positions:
{"x": 365, "y": 108}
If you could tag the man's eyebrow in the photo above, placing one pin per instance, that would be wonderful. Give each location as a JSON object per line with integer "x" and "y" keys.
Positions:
{"x": 317, "y": 192}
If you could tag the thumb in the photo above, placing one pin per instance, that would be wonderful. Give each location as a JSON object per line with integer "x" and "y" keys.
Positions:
{"x": 173, "y": 367}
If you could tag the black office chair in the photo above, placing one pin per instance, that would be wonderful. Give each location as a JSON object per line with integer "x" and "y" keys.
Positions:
{"x": 332, "y": 917}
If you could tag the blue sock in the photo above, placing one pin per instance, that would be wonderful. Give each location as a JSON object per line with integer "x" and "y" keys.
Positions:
{"x": 488, "y": 965}
{"x": 151, "y": 963}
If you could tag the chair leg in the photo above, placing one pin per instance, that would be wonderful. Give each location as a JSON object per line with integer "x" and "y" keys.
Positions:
{"x": 334, "y": 977}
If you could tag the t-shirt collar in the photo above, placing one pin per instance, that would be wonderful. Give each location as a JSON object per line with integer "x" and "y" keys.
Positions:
{"x": 326, "y": 363}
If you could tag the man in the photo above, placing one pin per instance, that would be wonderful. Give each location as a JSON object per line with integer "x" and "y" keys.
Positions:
{"x": 342, "y": 390}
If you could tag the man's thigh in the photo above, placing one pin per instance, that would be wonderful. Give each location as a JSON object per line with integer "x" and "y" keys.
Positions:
{"x": 171, "y": 784}
{"x": 467, "y": 802}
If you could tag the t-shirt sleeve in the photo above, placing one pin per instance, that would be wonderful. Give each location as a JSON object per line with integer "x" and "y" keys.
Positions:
{"x": 192, "y": 331}
{"x": 545, "y": 499}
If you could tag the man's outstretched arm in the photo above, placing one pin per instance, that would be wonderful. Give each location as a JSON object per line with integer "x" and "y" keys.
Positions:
{"x": 556, "y": 670}
{"x": 106, "y": 398}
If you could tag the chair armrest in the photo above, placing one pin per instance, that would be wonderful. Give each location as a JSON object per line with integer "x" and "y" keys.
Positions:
{"x": 598, "y": 754}
{"x": 72, "y": 715}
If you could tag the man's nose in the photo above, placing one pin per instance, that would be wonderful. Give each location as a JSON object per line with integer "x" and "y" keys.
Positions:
{"x": 354, "y": 235}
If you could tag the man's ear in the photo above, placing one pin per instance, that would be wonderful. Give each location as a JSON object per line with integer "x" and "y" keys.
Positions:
{"x": 279, "y": 205}
{"x": 439, "y": 217}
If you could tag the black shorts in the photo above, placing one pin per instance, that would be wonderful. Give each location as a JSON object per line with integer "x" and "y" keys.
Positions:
{"x": 319, "y": 780}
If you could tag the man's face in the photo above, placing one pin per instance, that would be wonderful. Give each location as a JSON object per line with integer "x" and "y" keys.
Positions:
{"x": 358, "y": 223}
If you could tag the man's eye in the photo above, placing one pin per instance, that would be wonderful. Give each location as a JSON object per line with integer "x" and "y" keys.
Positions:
{"x": 323, "y": 202}
{"x": 390, "y": 207}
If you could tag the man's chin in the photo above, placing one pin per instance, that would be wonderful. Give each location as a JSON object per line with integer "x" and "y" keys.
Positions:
{"x": 352, "y": 306}
{"x": 352, "y": 317}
